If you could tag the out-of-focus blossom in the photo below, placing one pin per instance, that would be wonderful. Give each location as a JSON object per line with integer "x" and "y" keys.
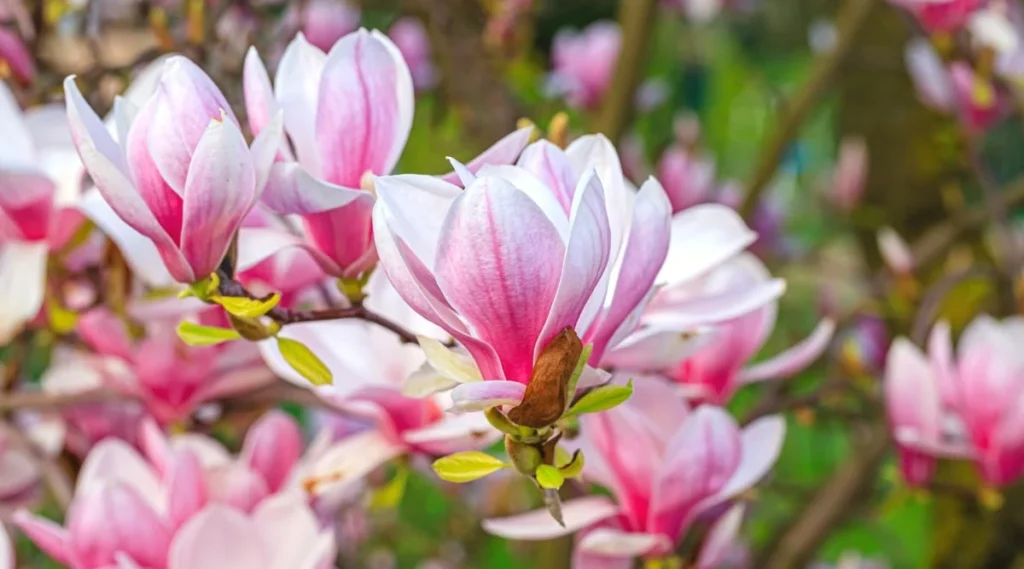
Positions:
{"x": 16, "y": 56}
{"x": 895, "y": 251}
{"x": 689, "y": 180}
{"x": 181, "y": 173}
{"x": 170, "y": 378}
{"x": 666, "y": 468}
{"x": 941, "y": 15}
{"x": 583, "y": 63}
{"x": 370, "y": 365}
{"x": 7, "y": 560}
{"x": 189, "y": 506}
{"x": 715, "y": 311}
{"x": 292, "y": 272}
{"x": 999, "y": 28}
{"x": 411, "y": 39}
{"x": 19, "y": 474}
{"x": 501, "y": 27}
{"x": 822, "y": 36}
{"x": 15, "y": 10}
{"x": 863, "y": 345}
{"x": 651, "y": 94}
{"x": 325, "y": 21}
{"x": 357, "y": 102}
{"x": 850, "y": 174}
{"x": 39, "y": 173}
{"x": 522, "y": 256}
{"x": 956, "y": 88}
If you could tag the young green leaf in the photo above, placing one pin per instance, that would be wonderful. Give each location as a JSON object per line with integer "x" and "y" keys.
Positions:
{"x": 304, "y": 361}
{"x": 198, "y": 335}
{"x": 549, "y": 477}
{"x": 389, "y": 495}
{"x": 602, "y": 398}
{"x": 247, "y": 307}
{"x": 467, "y": 466}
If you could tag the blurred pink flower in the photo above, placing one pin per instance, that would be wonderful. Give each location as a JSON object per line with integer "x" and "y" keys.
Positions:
{"x": 666, "y": 468}
{"x": 689, "y": 180}
{"x": 895, "y": 251}
{"x": 15, "y": 54}
{"x": 189, "y": 506}
{"x": 568, "y": 244}
{"x": 850, "y": 174}
{"x": 189, "y": 197}
{"x": 954, "y": 88}
{"x": 325, "y": 21}
{"x": 7, "y": 560}
{"x": 170, "y": 378}
{"x": 412, "y": 40}
{"x": 355, "y": 102}
{"x": 583, "y": 63}
{"x": 941, "y": 15}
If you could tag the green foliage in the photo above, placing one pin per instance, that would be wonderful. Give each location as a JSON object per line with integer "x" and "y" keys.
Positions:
{"x": 304, "y": 361}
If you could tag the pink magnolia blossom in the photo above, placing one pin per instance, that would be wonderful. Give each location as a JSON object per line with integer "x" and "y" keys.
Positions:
{"x": 40, "y": 176}
{"x": 170, "y": 378}
{"x": 292, "y": 272}
{"x": 895, "y": 251}
{"x": 714, "y": 313}
{"x": 850, "y": 174}
{"x": 326, "y": 21}
{"x": 356, "y": 102}
{"x": 19, "y": 472}
{"x": 941, "y": 15}
{"x": 188, "y": 505}
{"x": 370, "y": 365}
{"x": 521, "y": 254}
{"x": 666, "y": 467}
{"x": 583, "y": 63}
{"x": 181, "y": 173}
{"x": 15, "y": 54}
{"x": 689, "y": 180}
{"x": 954, "y": 88}
{"x": 411, "y": 39}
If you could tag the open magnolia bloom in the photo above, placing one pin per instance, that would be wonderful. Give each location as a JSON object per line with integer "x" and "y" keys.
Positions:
{"x": 533, "y": 260}
{"x": 40, "y": 178}
{"x": 666, "y": 467}
{"x": 355, "y": 102}
{"x": 728, "y": 312}
{"x": 188, "y": 504}
{"x": 369, "y": 365}
{"x": 180, "y": 172}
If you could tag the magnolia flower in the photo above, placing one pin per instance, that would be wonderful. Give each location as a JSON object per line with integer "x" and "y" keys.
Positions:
{"x": 553, "y": 248}
{"x": 955, "y": 88}
{"x": 181, "y": 173}
{"x": 688, "y": 179}
{"x": 39, "y": 173}
{"x": 583, "y": 63}
{"x": 19, "y": 474}
{"x": 190, "y": 506}
{"x": 895, "y": 251}
{"x": 727, "y": 311}
{"x": 7, "y": 560}
{"x": 170, "y": 378}
{"x": 356, "y": 102}
{"x": 850, "y": 174}
{"x": 292, "y": 272}
{"x": 326, "y": 21}
{"x": 940, "y": 15}
{"x": 16, "y": 56}
{"x": 411, "y": 39}
{"x": 666, "y": 467}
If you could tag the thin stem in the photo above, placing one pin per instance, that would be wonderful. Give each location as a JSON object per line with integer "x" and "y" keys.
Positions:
{"x": 852, "y": 19}
{"x": 636, "y": 18}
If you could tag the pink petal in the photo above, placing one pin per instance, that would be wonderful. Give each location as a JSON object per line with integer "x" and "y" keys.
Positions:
{"x": 453, "y": 433}
{"x": 115, "y": 462}
{"x": 105, "y": 333}
{"x": 912, "y": 395}
{"x": 272, "y": 448}
{"x": 345, "y": 236}
{"x": 504, "y": 151}
{"x": 22, "y": 285}
{"x": 165, "y": 202}
{"x": 217, "y": 538}
{"x": 796, "y": 358}
{"x": 929, "y": 74}
{"x": 113, "y": 518}
{"x": 712, "y": 307}
{"x": 642, "y": 257}
{"x": 106, "y": 166}
{"x": 219, "y": 191}
{"x": 287, "y": 521}
{"x": 351, "y": 459}
{"x": 291, "y": 189}
{"x": 616, "y": 543}
{"x": 186, "y": 488}
{"x": 721, "y": 539}
{"x": 6, "y": 550}
{"x": 653, "y": 350}
{"x": 260, "y": 104}
{"x": 586, "y": 257}
{"x": 185, "y": 103}
{"x": 940, "y": 353}
{"x": 14, "y": 52}
{"x": 364, "y": 109}
{"x": 296, "y": 86}
{"x": 480, "y": 395}
{"x": 761, "y": 443}
{"x": 498, "y": 263}
{"x": 47, "y": 535}
{"x": 538, "y": 525}
{"x": 552, "y": 168}
{"x": 236, "y": 486}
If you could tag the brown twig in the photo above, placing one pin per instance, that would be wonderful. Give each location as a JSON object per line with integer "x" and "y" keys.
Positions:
{"x": 636, "y": 19}
{"x": 931, "y": 303}
{"x": 852, "y": 19}
{"x": 39, "y": 400}
{"x": 284, "y": 316}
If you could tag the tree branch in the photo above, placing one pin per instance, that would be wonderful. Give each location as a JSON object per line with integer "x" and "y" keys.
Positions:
{"x": 636, "y": 17}
{"x": 852, "y": 19}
